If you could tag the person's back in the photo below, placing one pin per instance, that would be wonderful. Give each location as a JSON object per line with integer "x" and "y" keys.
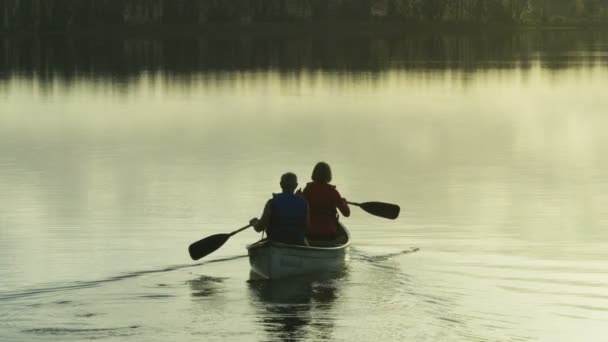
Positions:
{"x": 285, "y": 216}
{"x": 324, "y": 202}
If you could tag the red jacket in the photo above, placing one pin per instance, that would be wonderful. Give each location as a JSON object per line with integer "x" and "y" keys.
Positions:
{"x": 323, "y": 200}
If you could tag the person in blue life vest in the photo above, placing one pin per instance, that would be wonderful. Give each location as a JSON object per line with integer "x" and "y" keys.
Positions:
{"x": 286, "y": 215}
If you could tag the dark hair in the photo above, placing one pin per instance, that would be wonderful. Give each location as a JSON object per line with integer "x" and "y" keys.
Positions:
{"x": 289, "y": 181}
{"x": 321, "y": 173}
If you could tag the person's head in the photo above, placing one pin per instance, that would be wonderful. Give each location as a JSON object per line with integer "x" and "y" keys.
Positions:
{"x": 321, "y": 173}
{"x": 289, "y": 182}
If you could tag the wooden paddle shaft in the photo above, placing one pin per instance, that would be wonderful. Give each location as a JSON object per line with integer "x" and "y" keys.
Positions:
{"x": 240, "y": 229}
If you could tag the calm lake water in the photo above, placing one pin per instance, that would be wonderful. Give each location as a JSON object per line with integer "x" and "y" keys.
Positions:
{"x": 116, "y": 154}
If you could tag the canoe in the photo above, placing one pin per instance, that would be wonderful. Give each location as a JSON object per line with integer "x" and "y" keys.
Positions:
{"x": 272, "y": 260}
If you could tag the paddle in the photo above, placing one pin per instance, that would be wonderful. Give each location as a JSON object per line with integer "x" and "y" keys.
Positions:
{"x": 386, "y": 210}
{"x": 210, "y": 244}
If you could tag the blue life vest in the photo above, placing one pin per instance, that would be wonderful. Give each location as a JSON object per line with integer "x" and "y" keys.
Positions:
{"x": 288, "y": 219}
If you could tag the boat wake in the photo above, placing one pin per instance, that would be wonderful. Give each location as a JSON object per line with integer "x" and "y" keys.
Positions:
{"x": 6, "y": 296}
{"x": 358, "y": 254}
{"x": 100, "y": 332}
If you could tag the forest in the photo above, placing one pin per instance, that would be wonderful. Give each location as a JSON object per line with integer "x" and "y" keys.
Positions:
{"x": 77, "y": 14}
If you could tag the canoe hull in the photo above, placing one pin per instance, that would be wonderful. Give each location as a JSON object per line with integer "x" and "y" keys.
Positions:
{"x": 272, "y": 260}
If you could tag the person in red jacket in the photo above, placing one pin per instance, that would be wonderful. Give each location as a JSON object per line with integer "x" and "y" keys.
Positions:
{"x": 324, "y": 202}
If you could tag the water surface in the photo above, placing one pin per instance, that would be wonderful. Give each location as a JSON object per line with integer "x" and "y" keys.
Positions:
{"x": 116, "y": 154}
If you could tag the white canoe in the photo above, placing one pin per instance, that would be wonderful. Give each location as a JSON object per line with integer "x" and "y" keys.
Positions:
{"x": 272, "y": 260}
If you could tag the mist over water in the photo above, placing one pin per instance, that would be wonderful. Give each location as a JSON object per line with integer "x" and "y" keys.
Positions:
{"x": 116, "y": 154}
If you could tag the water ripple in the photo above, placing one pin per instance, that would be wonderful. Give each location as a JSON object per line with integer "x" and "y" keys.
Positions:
{"x": 5, "y": 296}
{"x": 80, "y": 331}
{"x": 357, "y": 254}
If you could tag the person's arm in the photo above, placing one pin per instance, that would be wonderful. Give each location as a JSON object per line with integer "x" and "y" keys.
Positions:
{"x": 307, "y": 217}
{"x": 306, "y": 243}
{"x": 264, "y": 221}
{"x": 342, "y": 205}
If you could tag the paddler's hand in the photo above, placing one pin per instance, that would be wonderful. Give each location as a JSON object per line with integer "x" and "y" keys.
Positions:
{"x": 254, "y": 222}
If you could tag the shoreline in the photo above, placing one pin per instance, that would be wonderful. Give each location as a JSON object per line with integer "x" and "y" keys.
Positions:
{"x": 285, "y": 29}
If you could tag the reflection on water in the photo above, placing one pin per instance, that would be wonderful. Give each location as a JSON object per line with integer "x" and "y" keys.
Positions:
{"x": 116, "y": 154}
{"x": 300, "y": 308}
{"x": 205, "y": 286}
{"x": 69, "y": 58}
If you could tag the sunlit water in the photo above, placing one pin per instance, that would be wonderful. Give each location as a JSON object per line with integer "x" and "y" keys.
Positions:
{"x": 498, "y": 162}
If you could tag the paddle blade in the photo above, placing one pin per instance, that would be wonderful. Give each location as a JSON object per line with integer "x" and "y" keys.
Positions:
{"x": 386, "y": 210}
{"x": 207, "y": 245}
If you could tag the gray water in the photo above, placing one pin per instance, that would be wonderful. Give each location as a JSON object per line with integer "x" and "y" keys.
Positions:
{"x": 116, "y": 155}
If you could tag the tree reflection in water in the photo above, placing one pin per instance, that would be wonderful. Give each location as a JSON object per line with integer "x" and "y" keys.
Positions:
{"x": 122, "y": 60}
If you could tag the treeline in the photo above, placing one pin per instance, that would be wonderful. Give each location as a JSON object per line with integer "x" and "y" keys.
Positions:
{"x": 66, "y": 14}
